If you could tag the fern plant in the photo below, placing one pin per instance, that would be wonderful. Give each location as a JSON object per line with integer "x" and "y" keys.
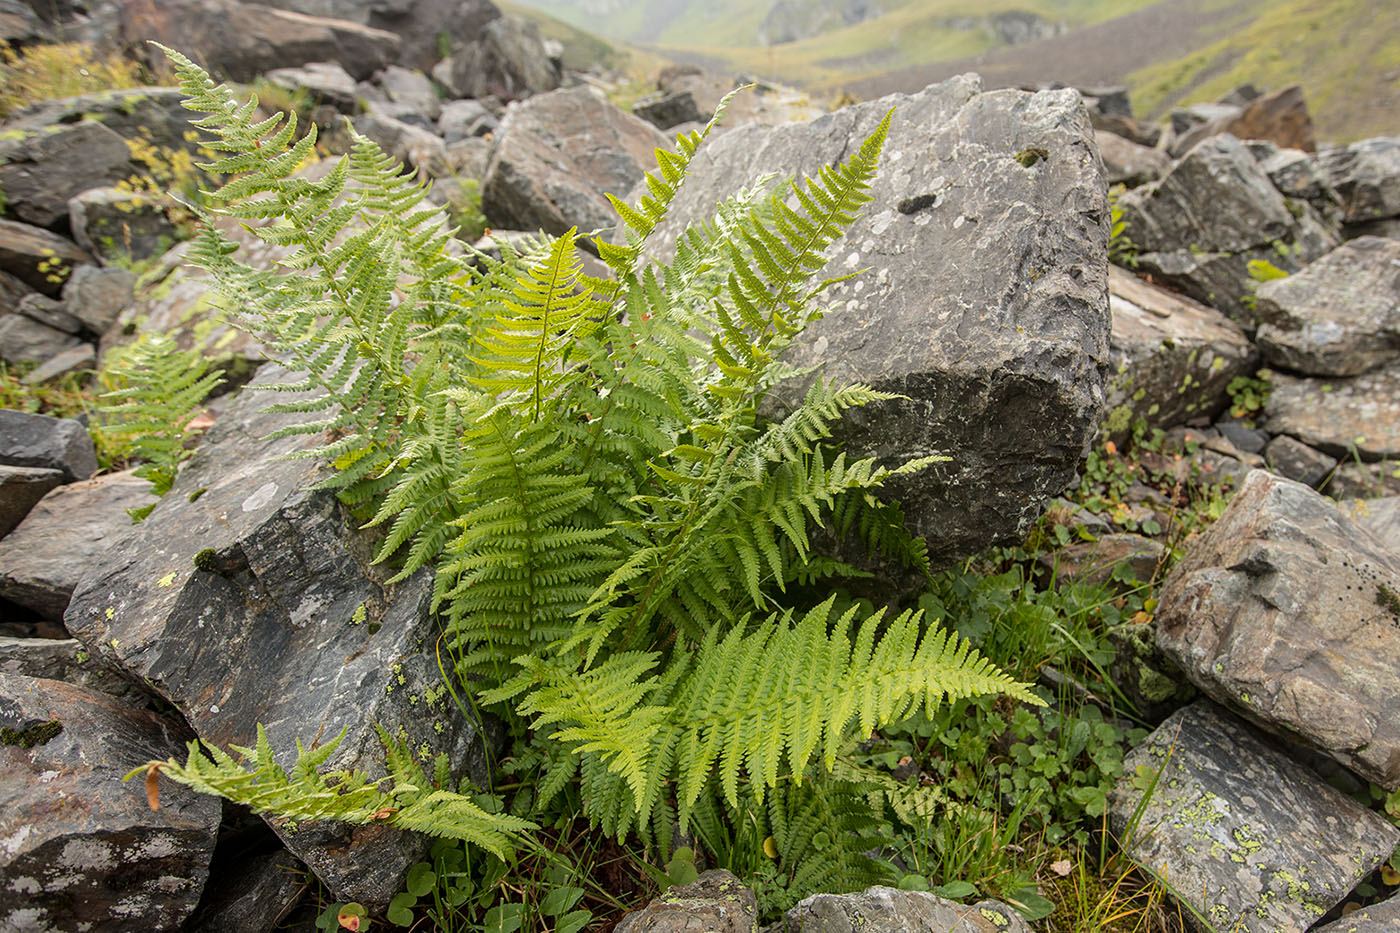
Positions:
{"x": 615, "y": 533}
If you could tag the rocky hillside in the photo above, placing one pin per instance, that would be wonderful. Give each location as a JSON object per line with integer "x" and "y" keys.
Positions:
{"x": 1148, "y": 377}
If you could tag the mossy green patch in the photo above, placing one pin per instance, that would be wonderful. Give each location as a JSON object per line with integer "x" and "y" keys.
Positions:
{"x": 32, "y": 737}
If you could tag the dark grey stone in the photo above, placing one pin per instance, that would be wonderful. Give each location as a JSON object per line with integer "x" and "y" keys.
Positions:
{"x": 79, "y": 849}
{"x": 23, "y": 339}
{"x": 1245, "y": 439}
{"x": 887, "y": 910}
{"x": 50, "y": 313}
{"x": 72, "y": 360}
{"x": 1128, "y": 163}
{"x": 66, "y": 660}
{"x": 21, "y": 488}
{"x": 1292, "y": 459}
{"x": 1356, "y": 417}
{"x": 664, "y": 110}
{"x": 1289, "y": 613}
{"x": 463, "y": 119}
{"x": 118, "y": 225}
{"x": 52, "y": 443}
{"x": 505, "y": 59}
{"x": 984, "y": 299}
{"x": 280, "y": 614}
{"x": 38, "y": 258}
{"x": 1249, "y": 838}
{"x": 716, "y": 902}
{"x": 57, "y": 163}
{"x": 1366, "y": 176}
{"x": 253, "y": 897}
{"x": 98, "y": 295}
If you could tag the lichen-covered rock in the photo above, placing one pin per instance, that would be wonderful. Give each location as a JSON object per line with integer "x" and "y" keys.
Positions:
{"x": 66, "y": 660}
{"x": 52, "y": 166}
{"x": 984, "y": 299}
{"x": 1288, "y": 612}
{"x": 20, "y": 490}
{"x": 1378, "y": 918}
{"x": 80, "y": 850}
{"x": 716, "y": 902}
{"x": 1340, "y": 316}
{"x": 1249, "y": 838}
{"x": 65, "y": 538}
{"x": 1200, "y": 226}
{"x": 1366, "y": 175}
{"x": 30, "y": 440}
{"x": 113, "y": 224}
{"x": 887, "y": 910}
{"x": 1171, "y": 359}
{"x": 242, "y": 558}
{"x": 1346, "y": 418}
{"x": 38, "y": 258}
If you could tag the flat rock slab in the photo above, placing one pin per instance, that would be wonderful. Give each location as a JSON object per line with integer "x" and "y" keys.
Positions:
{"x": 20, "y": 490}
{"x": 54, "y": 165}
{"x": 30, "y": 440}
{"x": 65, "y": 538}
{"x": 66, "y": 660}
{"x": 1378, "y": 918}
{"x": 1249, "y": 838}
{"x": 1172, "y": 358}
{"x": 1288, "y": 612}
{"x": 984, "y": 299}
{"x": 1359, "y": 416}
{"x": 289, "y": 627}
{"x": 1340, "y": 316}
{"x": 80, "y": 850}
{"x": 716, "y": 902}
{"x": 887, "y": 910}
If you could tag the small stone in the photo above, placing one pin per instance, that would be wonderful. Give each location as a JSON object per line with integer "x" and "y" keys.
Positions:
{"x": 1378, "y": 918}
{"x": 887, "y": 910}
{"x": 42, "y": 441}
{"x": 1247, "y": 440}
{"x": 716, "y": 902}
{"x": 98, "y": 295}
{"x": 1345, "y": 418}
{"x": 76, "y": 359}
{"x": 1292, "y": 459}
{"x": 20, "y": 490}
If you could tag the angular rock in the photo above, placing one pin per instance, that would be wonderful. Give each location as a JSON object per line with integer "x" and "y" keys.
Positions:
{"x": 115, "y": 224}
{"x": 98, "y": 295}
{"x": 887, "y": 910}
{"x": 716, "y": 902}
{"x": 50, "y": 313}
{"x": 67, "y": 537}
{"x": 51, "y": 443}
{"x": 1192, "y": 125}
{"x": 984, "y": 299}
{"x": 73, "y": 360}
{"x": 1381, "y": 517}
{"x": 1296, "y": 174}
{"x": 1281, "y": 118}
{"x": 1378, "y": 918}
{"x": 1359, "y": 416}
{"x": 468, "y": 159}
{"x": 1093, "y": 562}
{"x": 243, "y": 40}
{"x": 506, "y": 59}
{"x": 52, "y": 166}
{"x": 326, "y": 82}
{"x": 262, "y": 890}
{"x": 1128, "y": 163}
{"x": 64, "y": 659}
{"x": 1172, "y": 359}
{"x": 1292, "y": 459}
{"x": 1387, "y": 227}
{"x": 412, "y": 145}
{"x": 410, "y": 89}
{"x": 1365, "y": 480}
{"x": 19, "y": 24}
{"x": 1199, "y": 227}
{"x": 1340, "y": 316}
{"x": 38, "y": 258}
{"x": 79, "y": 849}
{"x": 1246, "y": 439}
{"x": 12, "y": 291}
{"x": 663, "y": 110}
{"x": 1366, "y": 175}
{"x": 463, "y": 119}
{"x": 21, "y": 488}
{"x": 418, "y": 23}
{"x": 153, "y": 115}
{"x": 1249, "y": 838}
{"x": 282, "y": 608}
{"x": 557, "y": 154}
{"x": 1288, "y": 612}
{"x": 23, "y": 339}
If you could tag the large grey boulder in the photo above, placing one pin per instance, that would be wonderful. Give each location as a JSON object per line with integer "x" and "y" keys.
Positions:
{"x": 984, "y": 299}
{"x": 1366, "y": 175}
{"x": 716, "y": 902}
{"x": 242, "y": 558}
{"x": 95, "y": 296}
{"x": 1289, "y": 613}
{"x": 557, "y": 155}
{"x": 1247, "y": 837}
{"x": 80, "y": 850}
{"x": 38, "y": 258}
{"x": 29, "y": 440}
{"x": 887, "y": 910}
{"x": 1200, "y": 226}
{"x": 1171, "y": 358}
{"x": 20, "y": 490}
{"x": 1297, "y": 174}
{"x": 1338, "y": 317}
{"x": 47, "y": 168}
{"x": 23, "y": 339}
{"x": 506, "y": 59}
{"x": 68, "y": 536}
{"x": 1356, "y": 417}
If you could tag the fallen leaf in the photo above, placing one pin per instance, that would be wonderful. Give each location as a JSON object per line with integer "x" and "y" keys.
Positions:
{"x": 1062, "y": 867}
{"x": 1110, "y": 448}
{"x": 153, "y": 786}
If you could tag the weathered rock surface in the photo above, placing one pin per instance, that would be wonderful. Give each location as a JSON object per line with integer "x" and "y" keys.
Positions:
{"x": 418, "y": 23}
{"x": 1378, "y": 918}
{"x": 1281, "y": 118}
{"x": 38, "y": 258}
{"x": 557, "y": 154}
{"x": 72, "y": 360}
{"x": 1288, "y": 612}
{"x": 1199, "y": 227}
{"x": 887, "y": 910}
{"x": 1381, "y": 517}
{"x": 112, "y": 223}
{"x": 1366, "y": 175}
{"x": 271, "y": 634}
{"x": 409, "y": 89}
{"x": 1296, "y": 174}
{"x": 68, "y": 536}
{"x": 64, "y": 659}
{"x": 51, "y": 313}
{"x": 464, "y": 119}
{"x": 1343, "y": 417}
{"x": 1095, "y": 561}
{"x": 153, "y": 115}
{"x": 1171, "y": 358}
{"x": 264, "y": 888}
{"x": 1248, "y": 837}
{"x": 47, "y": 168}
{"x": 984, "y": 301}
{"x": 78, "y": 848}
{"x": 96, "y": 296}
{"x": 1292, "y": 459}
{"x": 506, "y": 59}
{"x": 24, "y": 339}
{"x": 21, "y": 488}
{"x": 51, "y": 443}
{"x": 326, "y": 82}
{"x": 1128, "y": 163}
{"x": 716, "y": 902}
{"x": 414, "y": 146}
{"x": 1340, "y": 316}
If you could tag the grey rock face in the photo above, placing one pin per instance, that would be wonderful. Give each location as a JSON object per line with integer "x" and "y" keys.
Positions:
{"x": 1365, "y": 480}
{"x": 1128, "y": 163}
{"x": 1366, "y": 175}
{"x": 262, "y": 891}
{"x": 111, "y": 223}
{"x": 1381, "y": 517}
{"x": 61, "y": 364}
{"x": 1296, "y": 174}
{"x": 716, "y": 902}
{"x": 68, "y": 536}
{"x": 52, "y": 443}
{"x": 1289, "y": 613}
{"x": 417, "y": 22}
{"x": 412, "y": 145}
{"x": 1248, "y": 837}
{"x": 984, "y": 300}
{"x": 1292, "y": 459}
{"x": 1338, "y": 317}
{"x": 887, "y": 910}
{"x": 96, "y": 296}
{"x": 279, "y": 614}
{"x": 78, "y": 848}
{"x": 51, "y": 313}
{"x": 410, "y": 89}
{"x": 1378, "y": 918}
{"x": 1171, "y": 358}
{"x": 664, "y": 110}
{"x": 327, "y": 82}
{"x": 1199, "y": 227}
{"x": 505, "y": 59}
{"x": 463, "y": 119}
{"x": 557, "y": 154}
{"x": 1359, "y": 416}
{"x": 38, "y": 258}
{"x": 20, "y": 489}
{"x": 52, "y": 166}
{"x": 64, "y": 659}
{"x": 24, "y": 339}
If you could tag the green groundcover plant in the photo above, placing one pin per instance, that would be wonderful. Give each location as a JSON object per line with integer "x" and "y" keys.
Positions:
{"x": 626, "y": 557}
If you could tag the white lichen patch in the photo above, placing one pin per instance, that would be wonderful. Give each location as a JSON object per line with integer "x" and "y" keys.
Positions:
{"x": 261, "y": 497}
{"x": 87, "y": 854}
{"x": 25, "y": 885}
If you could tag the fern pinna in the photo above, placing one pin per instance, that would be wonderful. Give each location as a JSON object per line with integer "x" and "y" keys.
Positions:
{"x": 612, "y": 526}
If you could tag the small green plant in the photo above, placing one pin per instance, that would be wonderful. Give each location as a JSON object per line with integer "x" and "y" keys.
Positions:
{"x": 1260, "y": 271}
{"x": 464, "y": 207}
{"x": 66, "y": 69}
{"x": 156, "y": 390}
{"x": 1122, "y": 251}
{"x": 1249, "y": 395}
